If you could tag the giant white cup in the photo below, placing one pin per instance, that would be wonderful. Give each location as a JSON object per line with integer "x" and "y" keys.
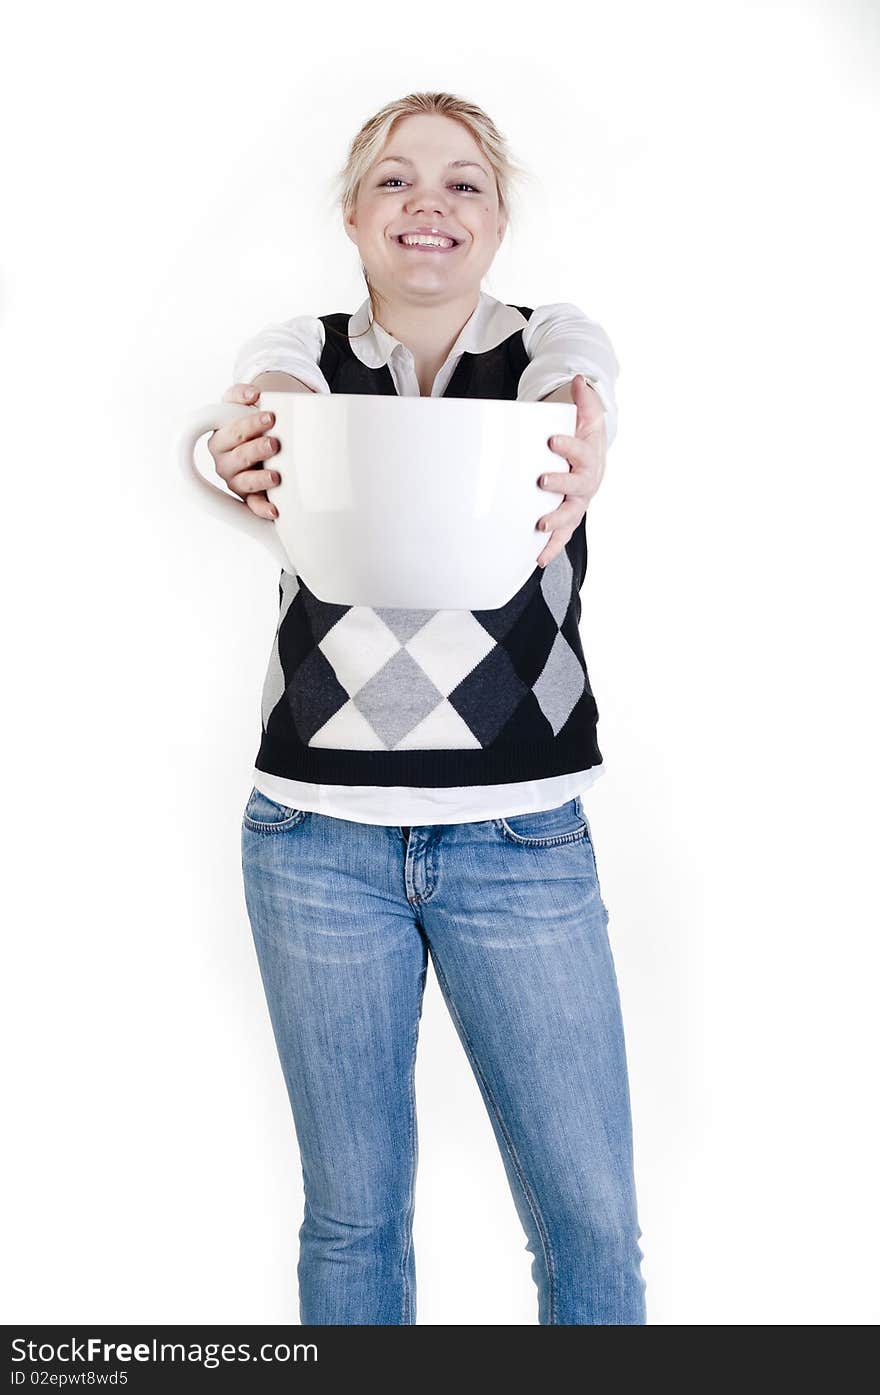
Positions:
{"x": 426, "y": 503}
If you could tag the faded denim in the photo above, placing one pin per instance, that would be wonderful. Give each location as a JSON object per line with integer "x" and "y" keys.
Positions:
{"x": 344, "y": 917}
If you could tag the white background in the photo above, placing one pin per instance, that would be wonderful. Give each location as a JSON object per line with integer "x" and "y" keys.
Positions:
{"x": 704, "y": 186}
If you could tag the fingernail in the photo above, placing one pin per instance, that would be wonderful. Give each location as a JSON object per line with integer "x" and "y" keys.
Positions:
{"x": 274, "y": 511}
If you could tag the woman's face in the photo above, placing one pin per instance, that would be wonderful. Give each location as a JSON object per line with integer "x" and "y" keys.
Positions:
{"x": 414, "y": 183}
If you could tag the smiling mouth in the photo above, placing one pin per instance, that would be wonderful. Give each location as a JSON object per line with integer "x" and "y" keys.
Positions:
{"x": 423, "y": 247}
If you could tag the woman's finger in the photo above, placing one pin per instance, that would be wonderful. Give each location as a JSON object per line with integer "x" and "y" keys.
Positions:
{"x": 242, "y": 443}
{"x": 575, "y": 483}
{"x": 244, "y": 393}
{"x": 567, "y": 515}
{"x": 555, "y": 546}
{"x": 254, "y": 481}
{"x": 261, "y": 506}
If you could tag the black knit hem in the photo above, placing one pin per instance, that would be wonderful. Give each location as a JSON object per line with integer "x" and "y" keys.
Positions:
{"x": 536, "y": 760}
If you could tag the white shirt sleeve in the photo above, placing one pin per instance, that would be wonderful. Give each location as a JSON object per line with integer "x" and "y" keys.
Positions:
{"x": 561, "y": 341}
{"x": 290, "y": 346}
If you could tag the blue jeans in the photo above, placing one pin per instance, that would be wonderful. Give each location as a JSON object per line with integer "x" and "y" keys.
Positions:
{"x": 344, "y": 916}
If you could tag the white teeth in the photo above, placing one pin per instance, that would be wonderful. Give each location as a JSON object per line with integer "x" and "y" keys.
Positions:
{"x": 425, "y": 240}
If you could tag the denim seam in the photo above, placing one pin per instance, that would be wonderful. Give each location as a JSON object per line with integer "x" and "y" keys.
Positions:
{"x": 508, "y": 1141}
{"x": 598, "y": 883}
{"x": 431, "y": 874}
{"x": 410, "y": 1210}
{"x": 257, "y": 827}
{"x": 576, "y": 835}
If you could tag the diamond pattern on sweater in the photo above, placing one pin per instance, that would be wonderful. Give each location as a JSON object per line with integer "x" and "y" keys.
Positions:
{"x": 358, "y": 646}
{"x": 556, "y": 584}
{"x": 560, "y": 685}
{"x": 449, "y": 647}
{"x": 383, "y": 679}
{"x": 490, "y": 695}
{"x": 397, "y": 698}
{"x": 274, "y": 682}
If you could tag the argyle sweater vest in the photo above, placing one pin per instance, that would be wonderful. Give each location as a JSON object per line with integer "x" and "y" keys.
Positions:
{"x": 360, "y": 696}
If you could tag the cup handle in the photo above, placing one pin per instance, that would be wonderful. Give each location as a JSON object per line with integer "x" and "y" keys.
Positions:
{"x": 226, "y": 506}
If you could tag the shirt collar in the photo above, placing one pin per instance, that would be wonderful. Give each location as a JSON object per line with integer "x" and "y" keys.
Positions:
{"x": 490, "y": 324}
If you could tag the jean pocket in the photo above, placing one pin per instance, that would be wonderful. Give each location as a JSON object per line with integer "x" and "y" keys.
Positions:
{"x": 265, "y": 815}
{"x": 547, "y": 828}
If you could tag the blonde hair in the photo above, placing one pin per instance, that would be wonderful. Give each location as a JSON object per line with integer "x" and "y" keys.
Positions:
{"x": 371, "y": 138}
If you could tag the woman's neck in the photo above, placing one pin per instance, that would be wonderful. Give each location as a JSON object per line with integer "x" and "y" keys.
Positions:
{"x": 428, "y": 331}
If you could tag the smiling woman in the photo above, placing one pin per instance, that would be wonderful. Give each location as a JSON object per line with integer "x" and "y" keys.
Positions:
{"x": 414, "y": 185}
{"x": 417, "y": 789}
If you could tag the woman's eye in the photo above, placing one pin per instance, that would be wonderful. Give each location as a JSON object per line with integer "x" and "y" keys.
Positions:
{"x": 461, "y": 185}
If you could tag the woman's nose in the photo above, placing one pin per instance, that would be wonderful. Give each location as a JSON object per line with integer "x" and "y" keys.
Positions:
{"x": 426, "y": 203}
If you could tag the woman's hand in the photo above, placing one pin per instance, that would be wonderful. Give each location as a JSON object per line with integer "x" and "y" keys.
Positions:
{"x": 585, "y": 452}
{"x": 239, "y": 449}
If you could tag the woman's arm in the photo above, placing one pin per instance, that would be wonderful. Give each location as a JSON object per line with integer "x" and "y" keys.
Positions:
{"x": 283, "y": 353}
{"x": 564, "y": 394}
{"x": 561, "y": 342}
{"x": 279, "y": 382}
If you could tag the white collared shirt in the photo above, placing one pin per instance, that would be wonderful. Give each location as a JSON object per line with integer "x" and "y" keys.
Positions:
{"x": 560, "y": 341}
